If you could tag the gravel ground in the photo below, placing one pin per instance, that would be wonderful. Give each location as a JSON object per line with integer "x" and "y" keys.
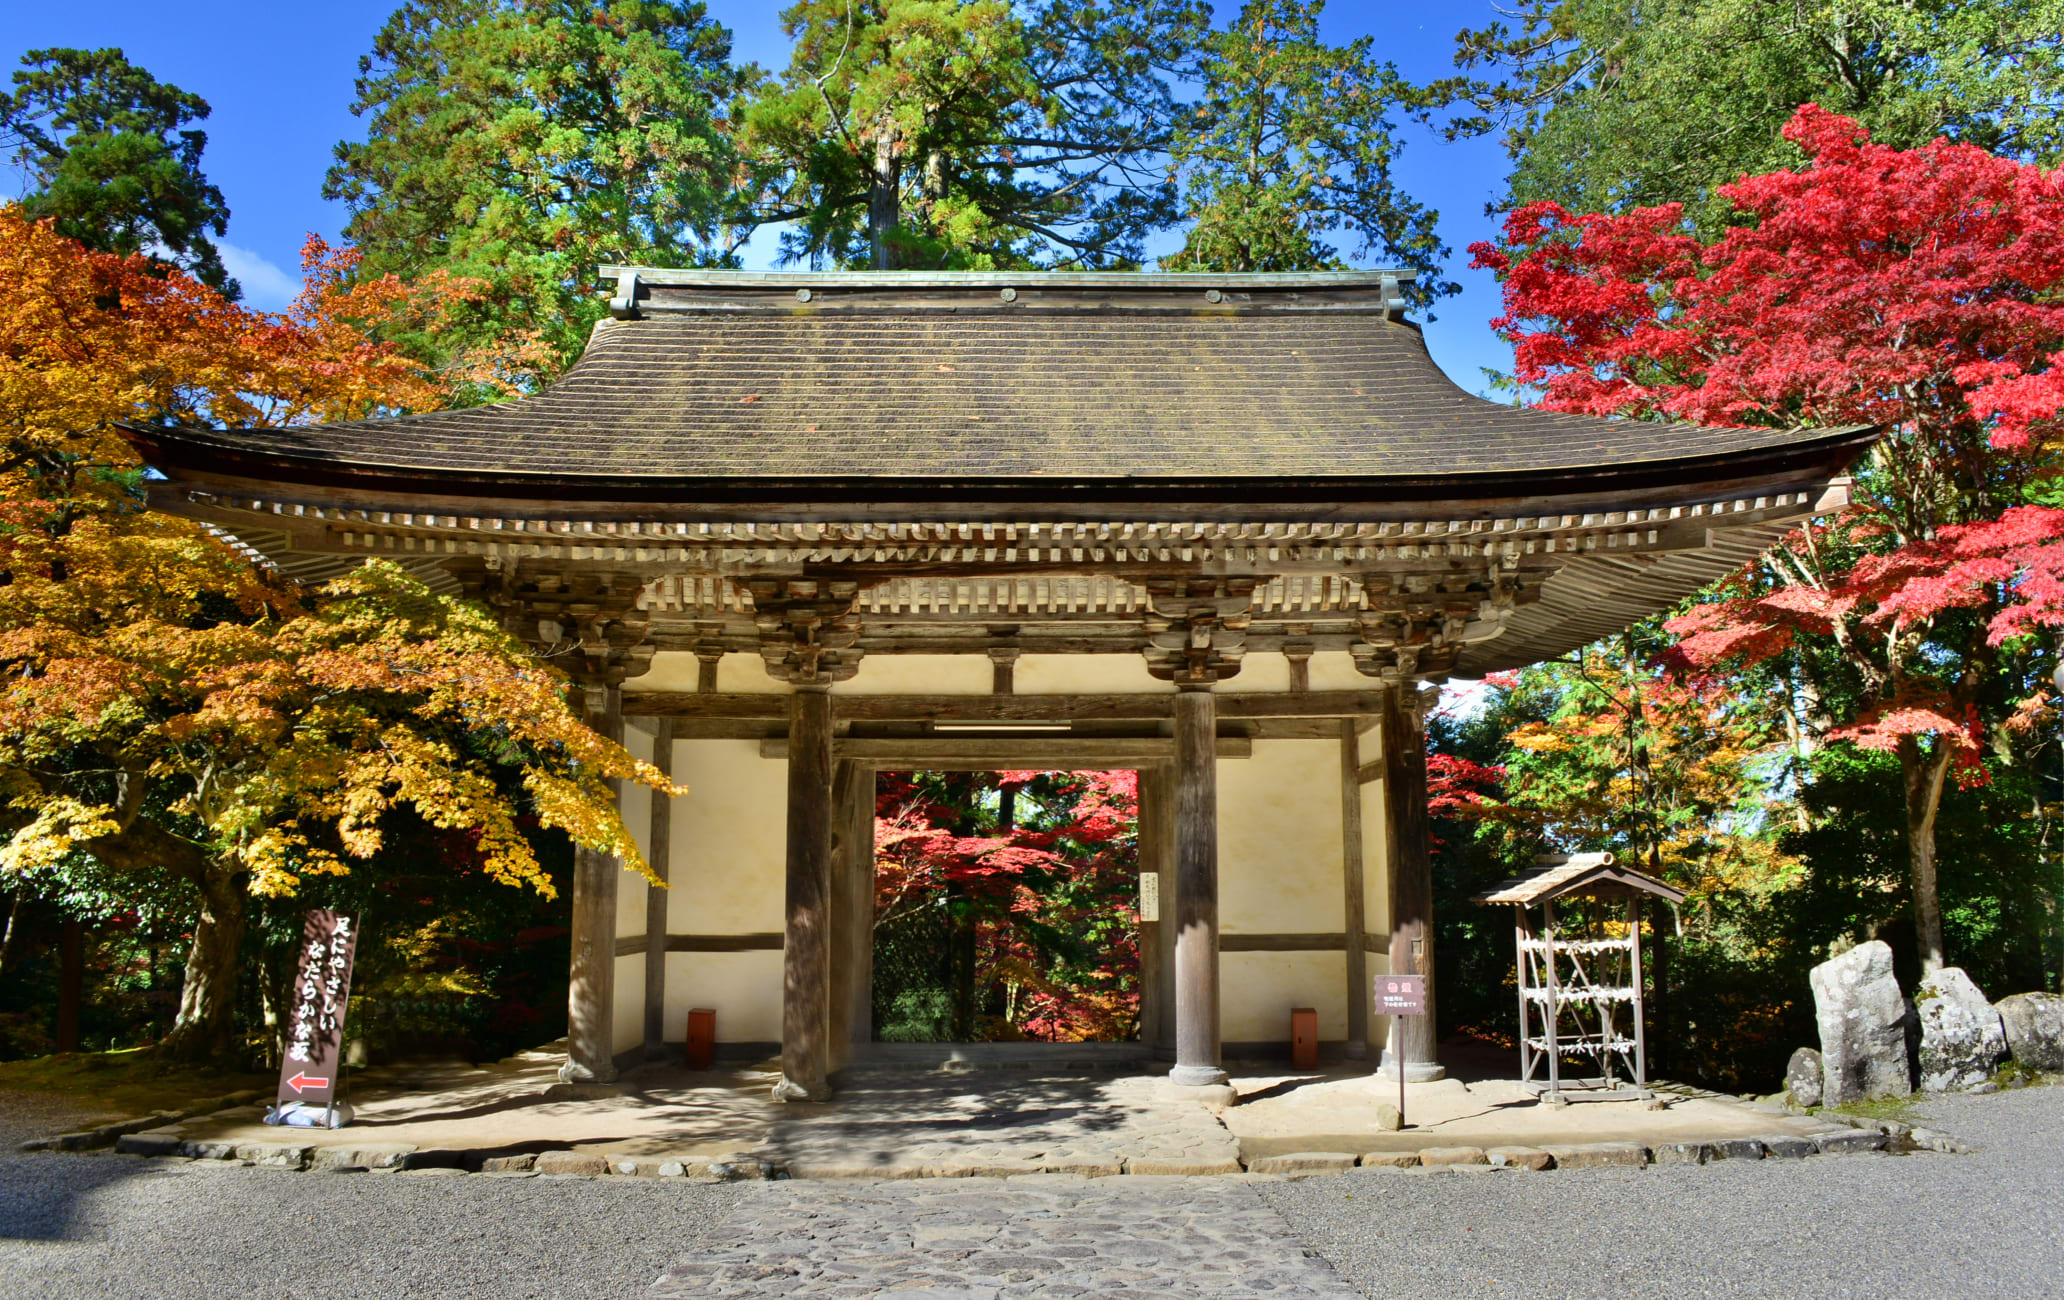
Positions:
{"x": 118, "y": 1227}
{"x": 1986, "y": 1223}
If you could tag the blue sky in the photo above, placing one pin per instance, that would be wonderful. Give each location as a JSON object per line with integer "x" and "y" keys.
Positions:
{"x": 279, "y": 77}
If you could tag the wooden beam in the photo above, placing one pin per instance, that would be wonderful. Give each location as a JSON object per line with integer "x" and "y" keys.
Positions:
{"x": 1195, "y": 775}
{"x": 1355, "y": 898}
{"x": 806, "y": 955}
{"x": 1368, "y": 772}
{"x": 724, "y": 942}
{"x": 1006, "y": 708}
{"x": 591, "y": 973}
{"x": 1034, "y": 751}
{"x": 1413, "y": 1043}
{"x": 694, "y": 704}
{"x": 659, "y": 840}
{"x": 1282, "y": 942}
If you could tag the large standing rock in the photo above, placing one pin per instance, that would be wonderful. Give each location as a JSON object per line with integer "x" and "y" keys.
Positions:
{"x": 2035, "y": 1029}
{"x": 1962, "y": 1039}
{"x": 1863, "y": 1020}
{"x": 1803, "y": 1076}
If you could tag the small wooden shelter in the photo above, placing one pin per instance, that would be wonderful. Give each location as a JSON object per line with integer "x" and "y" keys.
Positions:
{"x": 1580, "y": 983}
{"x": 1228, "y": 530}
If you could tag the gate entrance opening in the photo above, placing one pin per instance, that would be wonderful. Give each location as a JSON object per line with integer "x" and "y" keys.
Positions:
{"x": 1006, "y": 907}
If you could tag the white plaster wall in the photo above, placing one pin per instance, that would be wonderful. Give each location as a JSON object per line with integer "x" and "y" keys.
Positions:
{"x": 1086, "y": 675}
{"x": 1375, "y": 842}
{"x": 745, "y": 674}
{"x": 920, "y": 675}
{"x": 730, "y": 839}
{"x": 671, "y": 670}
{"x": 743, "y": 988}
{"x": 1279, "y": 855}
{"x": 726, "y": 870}
{"x": 1334, "y": 670}
{"x": 1260, "y": 672}
{"x": 627, "y": 1022}
{"x": 1258, "y": 990}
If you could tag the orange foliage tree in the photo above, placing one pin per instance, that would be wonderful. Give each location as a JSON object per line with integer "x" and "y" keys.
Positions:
{"x": 168, "y": 703}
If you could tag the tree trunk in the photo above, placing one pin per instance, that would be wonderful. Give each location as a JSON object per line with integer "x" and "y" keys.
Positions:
{"x": 206, "y": 1028}
{"x": 1922, "y": 774}
{"x": 883, "y": 194}
{"x": 71, "y": 982}
{"x": 14, "y": 926}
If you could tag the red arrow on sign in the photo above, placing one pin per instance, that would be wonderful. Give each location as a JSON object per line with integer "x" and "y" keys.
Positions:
{"x": 301, "y": 1082}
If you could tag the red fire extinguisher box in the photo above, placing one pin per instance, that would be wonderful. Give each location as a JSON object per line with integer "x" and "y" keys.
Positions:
{"x": 702, "y": 1038}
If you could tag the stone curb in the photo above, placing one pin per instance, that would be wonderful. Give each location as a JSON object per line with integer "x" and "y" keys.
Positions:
{"x": 401, "y": 1157}
{"x": 110, "y": 1135}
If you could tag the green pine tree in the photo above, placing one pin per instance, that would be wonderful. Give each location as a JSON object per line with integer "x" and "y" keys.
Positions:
{"x": 970, "y": 133}
{"x": 109, "y": 157}
{"x": 524, "y": 142}
{"x": 1290, "y": 147}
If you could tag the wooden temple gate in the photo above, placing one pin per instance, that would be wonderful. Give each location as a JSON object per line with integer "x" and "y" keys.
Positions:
{"x": 842, "y": 523}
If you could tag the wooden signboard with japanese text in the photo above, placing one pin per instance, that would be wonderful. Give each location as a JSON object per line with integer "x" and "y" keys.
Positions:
{"x": 1400, "y": 995}
{"x": 315, "y": 1015}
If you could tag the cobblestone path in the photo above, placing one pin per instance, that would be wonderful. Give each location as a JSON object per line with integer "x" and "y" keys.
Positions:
{"x": 1038, "y": 1236}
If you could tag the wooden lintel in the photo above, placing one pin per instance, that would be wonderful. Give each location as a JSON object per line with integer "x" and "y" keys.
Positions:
{"x": 723, "y": 942}
{"x": 1368, "y": 772}
{"x": 1373, "y": 943}
{"x": 693, "y": 704}
{"x": 1005, "y": 708}
{"x": 1030, "y": 752}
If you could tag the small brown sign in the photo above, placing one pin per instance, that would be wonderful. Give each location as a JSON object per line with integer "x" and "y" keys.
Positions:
{"x": 315, "y": 1017}
{"x": 1400, "y": 995}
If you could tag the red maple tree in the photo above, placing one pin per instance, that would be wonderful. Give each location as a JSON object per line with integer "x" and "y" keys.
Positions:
{"x": 1915, "y": 290}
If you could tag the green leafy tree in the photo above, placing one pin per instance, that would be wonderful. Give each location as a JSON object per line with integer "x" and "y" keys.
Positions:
{"x": 1609, "y": 106}
{"x": 523, "y": 142}
{"x": 107, "y": 152}
{"x": 1291, "y": 146}
{"x": 970, "y": 133}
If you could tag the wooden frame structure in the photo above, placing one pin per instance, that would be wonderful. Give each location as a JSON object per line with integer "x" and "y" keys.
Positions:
{"x": 1227, "y": 529}
{"x": 1580, "y": 993}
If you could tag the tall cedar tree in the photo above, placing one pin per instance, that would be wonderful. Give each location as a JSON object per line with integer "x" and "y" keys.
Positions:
{"x": 1607, "y": 106}
{"x": 170, "y": 706}
{"x": 109, "y": 155}
{"x": 1290, "y": 145}
{"x": 1913, "y": 289}
{"x": 970, "y": 133}
{"x": 521, "y": 143}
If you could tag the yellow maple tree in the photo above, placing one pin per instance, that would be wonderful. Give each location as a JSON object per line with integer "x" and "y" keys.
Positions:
{"x": 170, "y": 704}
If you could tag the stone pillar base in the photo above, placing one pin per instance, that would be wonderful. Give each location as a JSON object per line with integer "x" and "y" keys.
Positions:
{"x": 790, "y": 1090}
{"x": 1415, "y": 1071}
{"x": 572, "y": 1071}
{"x": 1196, "y": 1076}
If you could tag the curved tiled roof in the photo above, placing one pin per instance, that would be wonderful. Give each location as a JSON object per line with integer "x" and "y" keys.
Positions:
{"x": 727, "y": 379}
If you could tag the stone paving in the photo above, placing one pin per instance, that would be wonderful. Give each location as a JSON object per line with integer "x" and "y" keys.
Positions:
{"x": 907, "y": 1124}
{"x": 1033, "y": 1236}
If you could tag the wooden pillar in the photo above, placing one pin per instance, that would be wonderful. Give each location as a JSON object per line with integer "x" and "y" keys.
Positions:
{"x": 1411, "y": 878}
{"x": 1196, "y": 871}
{"x": 806, "y": 994}
{"x": 659, "y": 846}
{"x": 1355, "y": 898}
{"x": 591, "y": 981}
{"x": 852, "y": 911}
